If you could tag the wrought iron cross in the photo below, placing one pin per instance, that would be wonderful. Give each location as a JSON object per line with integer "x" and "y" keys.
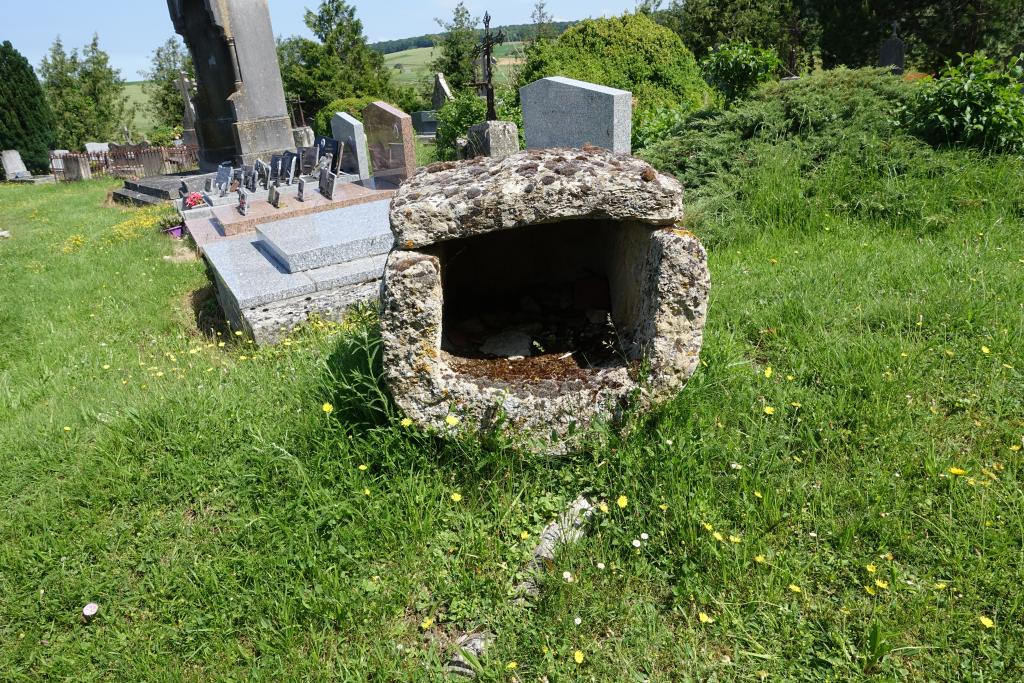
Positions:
{"x": 486, "y": 49}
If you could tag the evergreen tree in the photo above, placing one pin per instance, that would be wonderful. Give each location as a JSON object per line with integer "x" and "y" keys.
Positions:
{"x": 165, "y": 101}
{"x": 26, "y": 121}
{"x": 458, "y": 44}
{"x": 86, "y": 94}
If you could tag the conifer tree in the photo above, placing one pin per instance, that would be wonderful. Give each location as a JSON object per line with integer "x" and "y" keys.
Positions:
{"x": 26, "y": 121}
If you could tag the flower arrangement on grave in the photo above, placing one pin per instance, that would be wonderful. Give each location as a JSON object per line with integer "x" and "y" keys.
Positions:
{"x": 193, "y": 200}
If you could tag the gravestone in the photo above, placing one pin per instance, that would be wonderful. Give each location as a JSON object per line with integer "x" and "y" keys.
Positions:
{"x": 492, "y": 139}
{"x": 243, "y": 202}
{"x": 152, "y": 162}
{"x": 223, "y": 180}
{"x": 275, "y": 167}
{"x": 240, "y": 111}
{"x": 57, "y": 159}
{"x": 324, "y": 164}
{"x": 76, "y": 167}
{"x": 563, "y": 112}
{"x": 288, "y": 166}
{"x": 391, "y": 143}
{"x": 301, "y": 194}
{"x": 208, "y": 185}
{"x": 348, "y": 130}
{"x": 308, "y": 156}
{"x": 442, "y": 93}
{"x": 303, "y": 136}
{"x": 424, "y": 122}
{"x": 14, "y": 167}
{"x": 262, "y": 172}
{"x": 97, "y": 147}
{"x": 325, "y": 146}
{"x": 893, "y": 53}
{"x": 327, "y": 184}
{"x": 274, "y": 197}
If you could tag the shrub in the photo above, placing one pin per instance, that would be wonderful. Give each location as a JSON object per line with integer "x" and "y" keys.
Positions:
{"x": 350, "y": 105}
{"x": 977, "y": 103}
{"x": 629, "y": 52}
{"x": 26, "y": 121}
{"x": 655, "y": 125}
{"x": 737, "y": 67}
{"x": 164, "y": 136}
{"x": 455, "y": 118}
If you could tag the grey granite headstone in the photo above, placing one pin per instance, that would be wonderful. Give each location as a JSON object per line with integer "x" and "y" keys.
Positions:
{"x": 262, "y": 173}
{"x": 327, "y": 183}
{"x": 14, "y": 167}
{"x": 301, "y": 194}
{"x": 442, "y": 93}
{"x": 275, "y": 166}
{"x": 493, "y": 139}
{"x": 274, "y": 197}
{"x": 425, "y": 122}
{"x": 288, "y": 166}
{"x": 562, "y": 112}
{"x": 223, "y": 180}
{"x": 348, "y": 130}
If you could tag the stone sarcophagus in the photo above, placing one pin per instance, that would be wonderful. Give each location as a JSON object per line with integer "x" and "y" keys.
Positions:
{"x": 540, "y": 292}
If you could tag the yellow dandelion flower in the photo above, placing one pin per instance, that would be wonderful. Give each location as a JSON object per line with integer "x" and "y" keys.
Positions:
{"x": 578, "y": 656}
{"x": 871, "y": 568}
{"x": 362, "y": 468}
{"x": 870, "y": 590}
{"x": 790, "y": 378}
{"x": 734, "y": 539}
{"x": 603, "y": 506}
{"x": 796, "y": 404}
{"x": 67, "y": 429}
{"x": 622, "y": 501}
{"x": 663, "y": 507}
{"x": 986, "y": 621}
{"x": 768, "y": 410}
{"x": 795, "y": 588}
{"x": 760, "y": 559}
{"x": 456, "y": 497}
{"x": 707, "y": 527}
{"x": 940, "y": 586}
{"x": 757, "y": 494}
{"x": 882, "y": 584}
{"x": 511, "y": 665}
{"x": 768, "y": 372}
{"x": 221, "y": 345}
{"x": 451, "y": 420}
{"x": 705, "y": 619}
{"x": 406, "y": 422}
{"x": 1015, "y": 447}
{"x": 957, "y": 471}
{"x": 427, "y": 623}
{"x": 106, "y": 367}
{"x": 524, "y": 535}
{"x": 718, "y": 537}
{"x": 986, "y": 350}
{"x": 366, "y": 492}
{"x": 327, "y": 407}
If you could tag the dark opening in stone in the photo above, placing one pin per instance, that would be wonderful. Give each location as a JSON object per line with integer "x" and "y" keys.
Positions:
{"x": 555, "y": 298}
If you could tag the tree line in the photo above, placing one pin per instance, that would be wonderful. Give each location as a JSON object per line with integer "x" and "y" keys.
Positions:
{"x": 513, "y": 32}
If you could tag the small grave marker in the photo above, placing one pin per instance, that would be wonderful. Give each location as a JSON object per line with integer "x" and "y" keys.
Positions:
{"x": 327, "y": 183}
{"x": 301, "y": 196}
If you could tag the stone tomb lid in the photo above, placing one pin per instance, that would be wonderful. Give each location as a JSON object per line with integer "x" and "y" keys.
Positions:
{"x": 450, "y": 200}
{"x": 252, "y": 275}
{"x": 329, "y": 237}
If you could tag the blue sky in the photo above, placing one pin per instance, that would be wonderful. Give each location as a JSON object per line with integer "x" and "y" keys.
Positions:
{"x": 129, "y": 31}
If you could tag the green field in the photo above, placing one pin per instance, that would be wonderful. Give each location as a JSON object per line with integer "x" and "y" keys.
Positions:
{"x": 411, "y": 67}
{"x": 144, "y": 122}
{"x": 835, "y": 496}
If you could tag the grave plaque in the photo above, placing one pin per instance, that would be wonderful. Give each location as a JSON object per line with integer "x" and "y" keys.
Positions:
{"x": 223, "y": 181}
{"x": 275, "y": 166}
{"x": 350, "y": 133}
{"x": 301, "y": 195}
{"x": 325, "y": 163}
{"x": 390, "y": 141}
{"x": 562, "y": 112}
{"x": 274, "y": 197}
{"x": 208, "y": 185}
{"x": 262, "y": 172}
{"x": 243, "y": 202}
{"x": 330, "y": 146}
{"x": 327, "y": 182}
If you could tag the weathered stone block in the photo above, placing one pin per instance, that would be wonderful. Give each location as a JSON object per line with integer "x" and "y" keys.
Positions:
{"x": 496, "y": 139}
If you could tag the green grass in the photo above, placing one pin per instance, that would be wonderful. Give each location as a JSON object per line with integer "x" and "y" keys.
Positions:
{"x": 144, "y": 121}
{"x": 415, "y": 65}
{"x": 221, "y": 519}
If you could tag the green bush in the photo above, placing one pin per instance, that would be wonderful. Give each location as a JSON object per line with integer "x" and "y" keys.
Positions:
{"x": 164, "y": 136}
{"x": 655, "y": 125}
{"x": 977, "y": 103}
{"x": 350, "y": 105}
{"x": 737, "y": 67}
{"x": 629, "y": 52}
{"x": 455, "y": 118}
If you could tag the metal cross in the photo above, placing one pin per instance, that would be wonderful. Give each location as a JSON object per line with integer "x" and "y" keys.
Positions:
{"x": 486, "y": 48}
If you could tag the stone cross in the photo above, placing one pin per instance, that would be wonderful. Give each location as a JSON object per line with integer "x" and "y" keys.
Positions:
{"x": 486, "y": 50}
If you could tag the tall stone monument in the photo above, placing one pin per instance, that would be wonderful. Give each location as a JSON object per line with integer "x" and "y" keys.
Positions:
{"x": 240, "y": 112}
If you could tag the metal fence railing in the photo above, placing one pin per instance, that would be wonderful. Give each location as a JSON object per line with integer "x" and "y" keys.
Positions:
{"x": 125, "y": 161}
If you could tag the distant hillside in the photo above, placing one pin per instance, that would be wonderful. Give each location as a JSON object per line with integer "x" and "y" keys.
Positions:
{"x": 513, "y": 33}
